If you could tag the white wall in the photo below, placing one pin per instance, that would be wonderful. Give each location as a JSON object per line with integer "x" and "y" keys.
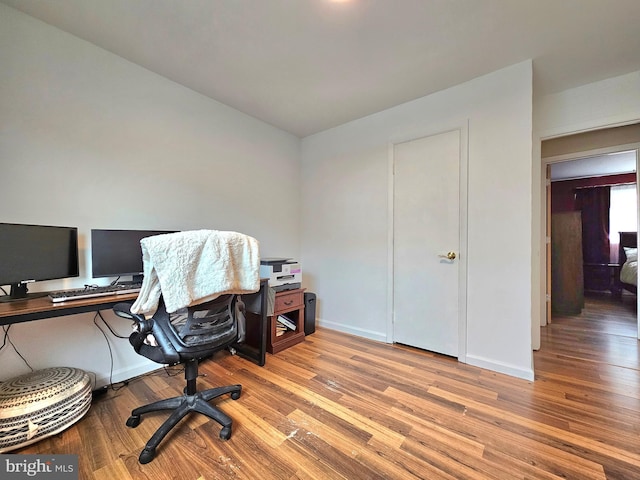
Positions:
{"x": 611, "y": 102}
{"x": 345, "y": 215}
{"x": 90, "y": 140}
{"x": 608, "y": 103}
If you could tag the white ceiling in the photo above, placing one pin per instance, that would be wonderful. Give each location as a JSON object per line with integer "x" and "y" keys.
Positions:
{"x": 308, "y": 65}
{"x": 596, "y": 166}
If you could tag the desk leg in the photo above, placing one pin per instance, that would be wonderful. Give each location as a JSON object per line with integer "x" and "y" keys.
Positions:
{"x": 255, "y": 346}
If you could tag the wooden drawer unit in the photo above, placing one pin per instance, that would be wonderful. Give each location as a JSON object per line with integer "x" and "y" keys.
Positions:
{"x": 291, "y": 304}
{"x": 288, "y": 300}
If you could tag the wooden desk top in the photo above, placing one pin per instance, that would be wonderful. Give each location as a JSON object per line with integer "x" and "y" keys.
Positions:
{"x": 42, "y": 307}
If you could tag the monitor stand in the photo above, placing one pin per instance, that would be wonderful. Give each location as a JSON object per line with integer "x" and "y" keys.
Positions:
{"x": 136, "y": 279}
{"x": 19, "y": 291}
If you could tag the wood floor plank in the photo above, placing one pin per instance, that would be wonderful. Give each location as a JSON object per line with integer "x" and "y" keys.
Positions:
{"x": 116, "y": 469}
{"x": 495, "y": 434}
{"x": 558, "y": 435}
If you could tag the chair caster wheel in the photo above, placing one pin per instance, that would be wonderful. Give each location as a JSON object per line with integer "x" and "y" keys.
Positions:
{"x": 235, "y": 395}
{"x": 147, "y": 455}
{"x": 225, "y": 433}
{"x": 133, "y": 421}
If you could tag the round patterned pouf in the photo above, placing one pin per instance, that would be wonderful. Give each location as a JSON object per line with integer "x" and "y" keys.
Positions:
{"x": 41, "y": 404}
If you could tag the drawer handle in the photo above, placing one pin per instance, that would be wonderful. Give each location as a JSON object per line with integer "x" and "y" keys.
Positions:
{"x": 290, "y": 302}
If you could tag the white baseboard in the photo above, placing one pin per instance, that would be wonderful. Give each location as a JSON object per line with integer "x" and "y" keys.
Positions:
{"x": 511, "y": 370}
{"x": 360, "y": 332}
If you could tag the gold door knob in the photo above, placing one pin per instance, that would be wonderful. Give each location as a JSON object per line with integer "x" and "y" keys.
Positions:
{"x": 449, "y": 256}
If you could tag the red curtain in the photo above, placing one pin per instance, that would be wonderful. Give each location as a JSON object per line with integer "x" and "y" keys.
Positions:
{"x": 594, "y": 204}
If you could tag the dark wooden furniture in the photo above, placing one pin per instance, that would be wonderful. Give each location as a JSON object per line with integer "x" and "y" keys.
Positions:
{"x": 291, "y": 304}
{"x": 255, "y": 344}
{"x": 567, "y": 274}
{"x": 601, "y": 277}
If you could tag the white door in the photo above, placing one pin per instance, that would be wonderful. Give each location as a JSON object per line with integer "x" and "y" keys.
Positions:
{"x": 426, "y": 230}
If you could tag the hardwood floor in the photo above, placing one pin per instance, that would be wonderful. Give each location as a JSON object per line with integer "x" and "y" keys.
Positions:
{"x": 342, "y": 407}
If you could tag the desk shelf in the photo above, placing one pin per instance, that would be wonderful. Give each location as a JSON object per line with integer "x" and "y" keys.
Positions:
{"x": 291, "y": 304}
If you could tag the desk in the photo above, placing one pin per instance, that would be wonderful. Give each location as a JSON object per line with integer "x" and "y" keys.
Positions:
{"x": 255, "y": 344}
{"x": 41, "y": 307}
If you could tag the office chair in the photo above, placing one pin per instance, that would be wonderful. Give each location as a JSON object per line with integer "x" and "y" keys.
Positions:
{"x": 184, "y": 337}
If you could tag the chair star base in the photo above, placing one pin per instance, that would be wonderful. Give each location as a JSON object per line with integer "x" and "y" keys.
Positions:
{"x": 191, "y": 401}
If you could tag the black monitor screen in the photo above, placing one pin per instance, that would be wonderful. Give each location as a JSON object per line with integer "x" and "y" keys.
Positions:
{"x": 116, "y": 253}
{"x": 36, "y": 252}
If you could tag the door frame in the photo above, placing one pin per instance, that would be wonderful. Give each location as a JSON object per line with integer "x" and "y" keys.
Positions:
{"x": 546, "y": 166}
{"x": 462, "y": 127}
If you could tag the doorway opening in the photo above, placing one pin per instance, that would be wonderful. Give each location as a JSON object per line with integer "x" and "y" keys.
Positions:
{"x": 587, "y": 206}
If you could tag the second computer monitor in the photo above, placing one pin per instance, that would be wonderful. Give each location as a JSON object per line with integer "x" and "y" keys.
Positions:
{"x": 117, "y": 253}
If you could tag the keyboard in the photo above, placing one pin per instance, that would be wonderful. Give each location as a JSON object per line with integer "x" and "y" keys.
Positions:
{"x": 92, "y": 292}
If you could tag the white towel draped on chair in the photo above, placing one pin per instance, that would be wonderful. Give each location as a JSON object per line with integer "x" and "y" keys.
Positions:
{"x": 193, "y": 267}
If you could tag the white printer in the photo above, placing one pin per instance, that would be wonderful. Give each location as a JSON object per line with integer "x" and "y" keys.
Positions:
{"x": 283, "y": 273}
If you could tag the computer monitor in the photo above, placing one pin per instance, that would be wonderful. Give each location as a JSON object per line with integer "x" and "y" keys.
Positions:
{"x": 117, "y": 253}
{"x": 32, "y": 253}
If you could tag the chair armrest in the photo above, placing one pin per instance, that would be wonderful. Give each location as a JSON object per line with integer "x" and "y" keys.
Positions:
{"x": 124, "y": 310}
{"x": 142, "y": 326}
{"x": 163, "y": 352}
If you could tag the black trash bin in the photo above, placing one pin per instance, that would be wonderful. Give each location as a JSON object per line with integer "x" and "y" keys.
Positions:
{"x": 309, "y": 313}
